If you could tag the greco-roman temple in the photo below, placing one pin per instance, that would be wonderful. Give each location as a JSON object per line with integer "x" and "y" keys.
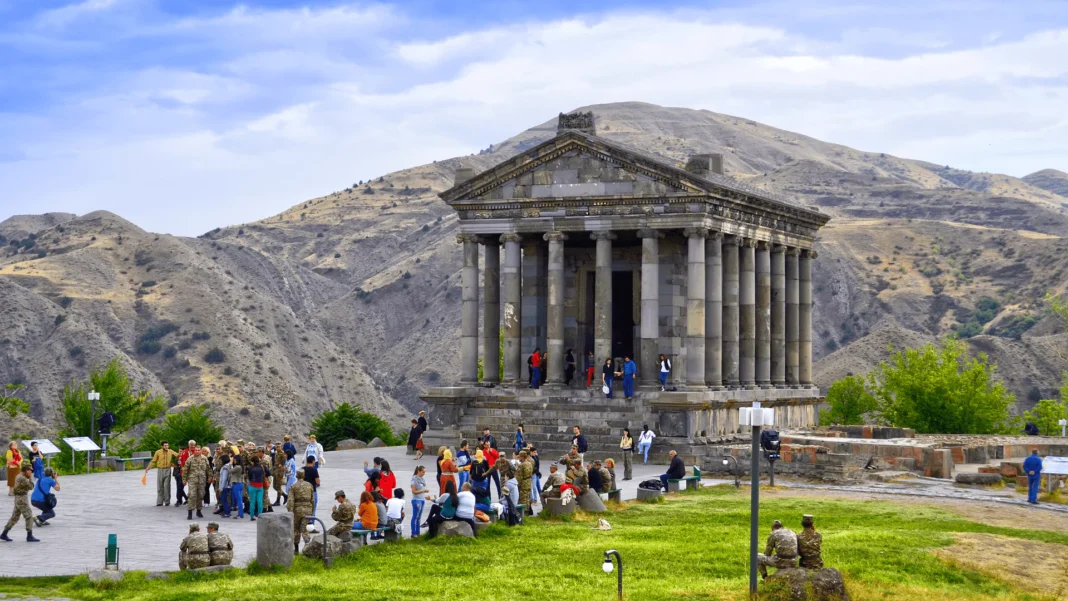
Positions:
{"x": 588, "y": 244}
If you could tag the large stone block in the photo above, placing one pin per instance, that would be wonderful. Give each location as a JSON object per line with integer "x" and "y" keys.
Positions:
{"x": 351, "y": 443}
{"x": 674, "y": 423}
{"x": 274, "y": 539}
{"x": 807, "y": 585}
{"x": 591, "y": 501}
{"x": 645, "y": 494}
{"x": 557, "y": 507}
{"x": 351, "y": 546}
{"x": 451, "y": 528}
{"x": 314, "y": 548}
{"x": 983, "y": 479}
{"x": 375, "y": 443}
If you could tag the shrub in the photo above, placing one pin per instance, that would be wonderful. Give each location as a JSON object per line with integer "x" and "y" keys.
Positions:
{"x": 76, "y": 352}
{"x": 170, "y": 352}
{"x": 148, "y": 283}
{"x": 158, "y": 331}
{"x": 849, "y": 402}
{"x": 149, "y": 347}
{"x": 195, "y": 423}
{"x": 215, "y": 355}
{"x": 201, "y": 336}
{"x": 60, "y": 319}
{"x": 65, "y": 301}
{"x": 10, "y": 402}
{"x": 337, "y": 255}
{"x": 348, "y": 421}
{"x": 1046, "y": 414}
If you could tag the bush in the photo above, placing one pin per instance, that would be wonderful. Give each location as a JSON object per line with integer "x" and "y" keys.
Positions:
{"x": 215, "y": 355}
{"x": 1046, "y": 414}
{"x": 158, "y": 331}
{"x": 849, "y": 402}
{"x": 65, "y": 301}
{"x": 201, "y": 336}
{"x": 10, "y": 402}
{"x": 194, "y": 423}
{"x": 1014, "y": 327}
{"x": 149, "y": 347}
{"x": 170, "y": 352}
{"x": 348, "y": 421}
{"x": 60, "y": 319}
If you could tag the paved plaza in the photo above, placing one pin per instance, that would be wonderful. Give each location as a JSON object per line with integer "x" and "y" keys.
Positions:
{"x": 95, "y": 505}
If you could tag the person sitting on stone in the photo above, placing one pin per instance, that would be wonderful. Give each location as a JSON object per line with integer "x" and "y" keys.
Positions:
{"x": 576, "y": 479}
{"x": 596, "y": 480}
{"x": 343, "y": 514}
{"x": 676, "y": 470}
{"x": 810, "y": 545}
{"x": 551, "y": 488}
{"x": 194, "y": 551}
{"x": 609, "y": 474}
{"x": 368, "y": 511}
{"x": 781, "y": 551}
{"x": 220, "y": 546}
{"x": 571, "y": 455}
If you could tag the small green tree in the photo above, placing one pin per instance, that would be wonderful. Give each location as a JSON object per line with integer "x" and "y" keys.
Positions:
{"x": 938, "y": 389}
{"x": 1045, "y": 414}
{"x": 849, "y": 402}
{"x": 10, "y": 402}
{"x": 195, "y": 423}
{"x": 117, "y": 395}
{"x": 348, "y": 421}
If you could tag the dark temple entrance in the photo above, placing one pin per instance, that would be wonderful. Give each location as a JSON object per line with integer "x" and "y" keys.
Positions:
{"x": 622, "y": 313}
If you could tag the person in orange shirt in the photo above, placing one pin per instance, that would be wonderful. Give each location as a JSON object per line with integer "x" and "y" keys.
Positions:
{"x": 368, "y": 512}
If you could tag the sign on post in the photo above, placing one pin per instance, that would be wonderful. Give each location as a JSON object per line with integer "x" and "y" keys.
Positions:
{"x": 1054, "y": 466}
{"x": 81, "y": 444}
{"x": 44, "y": 445}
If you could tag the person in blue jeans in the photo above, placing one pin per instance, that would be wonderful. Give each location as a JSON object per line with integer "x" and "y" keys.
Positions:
{"x": 39, "y": 497}
{"x": 665, "y": 371}
{"x": 419, "y": 493}
{"x": 645, "y": 440}
{"x": 676, "y": 470}
{"x": 608, "y": 376}
{"x": 1033, "y": 468}
{"x": 630, "y": 371}
{"x": 535, "y": 366}
{"x": 36, "y": 460}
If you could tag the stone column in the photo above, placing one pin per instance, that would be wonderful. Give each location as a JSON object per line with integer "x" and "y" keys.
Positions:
{"x": 512, "y": 295}
{"x": 804, "y": 317}
{"x": 792, "y": 378}
{"x": 731, "y": 350}
{"x": 695, "y": 306}
{"x": 602, "y": 332}
{"x": 491, "y": 319}
{"x": 763, "y": 315}
{"x": 778, "y": 315}
{"x": 747, "y": 314}
{"x": 714, "y": 310}
{"x": 469, "y": 315}
{"x": 555, "y": 325}
{"x": 650, "y": 306}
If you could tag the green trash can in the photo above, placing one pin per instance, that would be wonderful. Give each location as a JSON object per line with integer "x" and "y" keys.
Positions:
{"x": 111, "y": 553}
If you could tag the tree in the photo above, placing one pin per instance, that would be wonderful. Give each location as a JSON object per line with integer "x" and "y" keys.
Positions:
{"x": 849, "y": 402}
{"x": 10, "y": 401}
{"x": 195, "y": 423}
{"x": 1046, "y": 414}
{"x": 348, "y": 421}
{"x": 117, "y": 395}
{"x": 937, "y": 389}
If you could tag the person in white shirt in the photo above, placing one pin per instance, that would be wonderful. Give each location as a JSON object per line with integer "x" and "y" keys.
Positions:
{"x": 465, "y": 511}
{"x": 665, "y": 370}
{"x": 395, "y": 510}
{"x": 315, "y": 451}
{"x": 645, "y": 440}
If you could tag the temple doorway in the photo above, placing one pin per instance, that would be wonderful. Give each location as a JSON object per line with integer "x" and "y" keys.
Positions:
{"x": 623, "y": 313}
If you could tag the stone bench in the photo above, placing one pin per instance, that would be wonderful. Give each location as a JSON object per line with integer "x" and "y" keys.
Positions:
{"x": 615, "y": 495}
{"x": 557, "y": 507}
{"x": 390, "y": 533}
{"x": 645, "y": 494}
{"x": 692, "y": 482}
{"x": 117, "y": 464}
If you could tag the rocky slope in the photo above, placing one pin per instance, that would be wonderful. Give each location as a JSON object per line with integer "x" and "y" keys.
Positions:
{"x": 355, "y": 295}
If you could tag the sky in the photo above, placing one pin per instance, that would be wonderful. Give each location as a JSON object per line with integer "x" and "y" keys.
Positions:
{"x": 182, "y": 116}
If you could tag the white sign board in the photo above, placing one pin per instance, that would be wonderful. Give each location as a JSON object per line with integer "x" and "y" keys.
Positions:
{"x": 43, "y": 445}
{"x": 1055, "y": 465}
{"x": 81, "y": 443}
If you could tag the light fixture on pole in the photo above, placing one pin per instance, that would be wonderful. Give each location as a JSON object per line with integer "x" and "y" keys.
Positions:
{"x": 755, "y": 417}
{"x": 1063, "y": 423}
{"x": 92, "y": 397}
{"x": 327, "y": 560}
{"x": 737, "y": 469}
{"x": 607, "y": 567}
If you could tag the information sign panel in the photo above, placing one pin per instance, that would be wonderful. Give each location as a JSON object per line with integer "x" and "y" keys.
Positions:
{"x": 81, "y": 444}
{"x": 44, "y": 445}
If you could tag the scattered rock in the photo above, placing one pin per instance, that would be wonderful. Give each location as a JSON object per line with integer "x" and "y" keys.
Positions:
{"x": 377, "y": 442}
{"x": 591, "y": 501}
{"x": 314, "y": 548}
{"x": 351, "y": 443}
{"x": 105, "y": 576}
{"x": 984, "y": 479}
{"x": 351, "y": 546}
{"x": 796, "y": 584}
{"x": 274, "y": 539}
{"x": 454, "y": 528}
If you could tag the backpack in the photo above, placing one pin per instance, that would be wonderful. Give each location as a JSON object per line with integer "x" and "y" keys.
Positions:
{"x": 651, "y": 485}
{"x": 511, "y": 516}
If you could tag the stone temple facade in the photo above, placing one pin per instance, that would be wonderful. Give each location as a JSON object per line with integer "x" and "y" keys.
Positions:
{"x": 588, "y": 244}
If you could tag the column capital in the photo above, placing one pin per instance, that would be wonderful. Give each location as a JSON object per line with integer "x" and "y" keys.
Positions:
{"x": 778, "y": 248}
{"x": 465, "y": 238}
{"x": 511, "y": 238}
{"x": 747, "y": 243}
{"x": 696, "y": 232}
{"x": 811, "y": 254}
{"x": 554, "y": 236}
{"x": 793, "y": 251}
{"x": 717, "y": 236}
{"x": 733, "y": 240}
{"x": 603, "y": 235}
{"x": 650, "y": 233}
{"x": 762, "y": 245}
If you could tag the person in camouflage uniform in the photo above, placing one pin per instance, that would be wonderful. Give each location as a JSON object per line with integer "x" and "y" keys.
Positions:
{"x": 196, "y": 475}
{"x": 810, "y": 545}
{"x": 551, "y": 488}
{"x": 216, "y": 467}
{"x": 278, "y": 473}
{"x": 220, "y": 546}
{"x": 524, "y": 475}
{"x": 344, "y": 514}
{"x": 781, "y": 551}
{"x": 301, "y": 504}
{"x": 21, "y": 490}
{"x": 194, "y": 551}
{"x": 577, "y": 476}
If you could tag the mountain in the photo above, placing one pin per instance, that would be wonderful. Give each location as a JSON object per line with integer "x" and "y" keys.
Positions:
{"x": 355, "y": 295}
{"x": 1050, "y": 180}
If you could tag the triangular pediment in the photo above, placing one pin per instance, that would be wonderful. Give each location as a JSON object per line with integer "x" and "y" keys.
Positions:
{"x": 574, "y": 164}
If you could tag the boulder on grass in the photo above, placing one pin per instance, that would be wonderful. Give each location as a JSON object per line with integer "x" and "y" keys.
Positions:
{"x": 591, "y": 501}
{"x": 375, "y": 443}
{"x": 351, "y": 546}
{"x": 314, "y": 548}
{"x": 274, "y": 539}
{"x": 796, "y": 584}
{"x": 455, "y": 528}
{"x": 983, "y": 479}
{"x": 350, "y": 443}
{"x": 105, "y": 576}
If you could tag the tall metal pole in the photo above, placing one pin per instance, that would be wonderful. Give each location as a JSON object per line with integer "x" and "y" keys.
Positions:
{"x": 754, "y": 509}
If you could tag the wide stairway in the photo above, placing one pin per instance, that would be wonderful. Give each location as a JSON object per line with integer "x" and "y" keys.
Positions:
{"x": 548, "y": 417}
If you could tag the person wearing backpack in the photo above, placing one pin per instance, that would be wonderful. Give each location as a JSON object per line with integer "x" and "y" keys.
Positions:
{"x": 43, "y": 498}
{"x": 665, "y": 371}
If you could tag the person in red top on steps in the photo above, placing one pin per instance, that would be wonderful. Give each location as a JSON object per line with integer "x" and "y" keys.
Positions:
{"x": 492, "y": 455}
{"x": 535, "y": 363}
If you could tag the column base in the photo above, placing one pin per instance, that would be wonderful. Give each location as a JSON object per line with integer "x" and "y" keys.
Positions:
{"x": 766, "y": 386}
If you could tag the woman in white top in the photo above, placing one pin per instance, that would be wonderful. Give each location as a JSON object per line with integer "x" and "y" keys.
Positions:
{"x": 645, "y": 440}
{"x": 315, "y": 451}
{"x": 665, "y": 370}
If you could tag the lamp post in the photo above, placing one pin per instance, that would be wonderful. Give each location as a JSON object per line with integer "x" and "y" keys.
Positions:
{"x": 754, "y": 417}
{"x": 607, "y": 567}
{"x": 93, "y": 397}
{"x": 327, "y": 560}
{"x": 1063, "y": 423}
{"x": 736, "y": 471}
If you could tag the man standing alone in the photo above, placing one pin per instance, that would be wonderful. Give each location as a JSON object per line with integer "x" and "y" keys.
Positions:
{"x": 535, "y": 369}
{"x": 23, "y": 485}
{"x": 630, "y": 371}
{"x": 197, "y": 475}
{"x": 1033, "y": 467}
{"x": 163, "y": 460}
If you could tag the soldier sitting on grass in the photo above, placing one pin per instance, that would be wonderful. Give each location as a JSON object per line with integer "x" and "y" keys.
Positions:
{"x": 781, "y": 551}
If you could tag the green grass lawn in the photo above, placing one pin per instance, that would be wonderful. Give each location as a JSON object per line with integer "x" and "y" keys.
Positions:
{"x": 694, "y": 546}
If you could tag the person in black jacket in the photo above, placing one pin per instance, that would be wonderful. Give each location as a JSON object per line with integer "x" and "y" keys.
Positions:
{"x": 487, "y": 437}
{"x": 579, "y": 441}
{"x": 422, "y": 421}
{"x": 596, "y": 481}
{"x": 676, "y": 470}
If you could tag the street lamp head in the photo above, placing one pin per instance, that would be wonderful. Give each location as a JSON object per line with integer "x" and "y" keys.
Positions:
{"x": 607, "y": 567}
{"x": 725, "y": 462}
{"x": 310, "y": 527}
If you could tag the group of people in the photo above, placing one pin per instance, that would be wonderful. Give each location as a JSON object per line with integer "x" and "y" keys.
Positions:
{"x": 787, "y": 549}
{"x": 415, "y": 435}
{"x": 627, "y": 371}
{"x": 32, "y": 485}
{"x": 202, "y": 550}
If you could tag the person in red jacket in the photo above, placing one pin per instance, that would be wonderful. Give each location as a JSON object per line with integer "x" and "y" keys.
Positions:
{"x": 387, "y": 480}
{"x": 535, "y": 364}
{"x": 492, "y": 455}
